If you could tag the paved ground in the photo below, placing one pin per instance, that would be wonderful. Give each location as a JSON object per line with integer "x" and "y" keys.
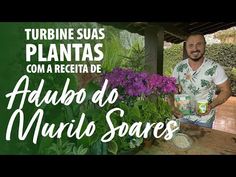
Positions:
{"x": 226, "y": 116}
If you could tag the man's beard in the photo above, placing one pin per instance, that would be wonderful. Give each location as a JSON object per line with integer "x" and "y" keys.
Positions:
{"x": 197, "y": 58}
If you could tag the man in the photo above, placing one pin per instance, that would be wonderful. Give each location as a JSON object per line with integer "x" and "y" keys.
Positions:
{"x": 199, "y": 77}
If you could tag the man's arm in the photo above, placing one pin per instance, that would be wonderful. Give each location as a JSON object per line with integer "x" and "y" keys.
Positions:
{"x": 225, "y": 93}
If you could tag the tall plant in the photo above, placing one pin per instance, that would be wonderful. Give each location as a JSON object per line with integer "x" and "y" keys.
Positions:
{"x": 113, "y": 51}
{"x": 135, "y": 58}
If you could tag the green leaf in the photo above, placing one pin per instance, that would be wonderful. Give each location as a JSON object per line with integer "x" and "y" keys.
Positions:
{"x": 135, "y": 111}
{"x": 74, "y": 150}
{"x": 81, "y": 150}
{"x": 131, "y": 144}
{"x": 45, "y": 143}
{"x": 151, "y": 106}
{"x": 69, "y": 113}
{"x": 138, "y": 141}
{"x": 68, "y": 151}
{"x": 90, "y": 89}
{"x": 123, "y": 106}
{"x": 112, "y": 147}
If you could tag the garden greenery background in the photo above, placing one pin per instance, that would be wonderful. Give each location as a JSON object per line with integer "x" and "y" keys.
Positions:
{"x": 121, "y": 49}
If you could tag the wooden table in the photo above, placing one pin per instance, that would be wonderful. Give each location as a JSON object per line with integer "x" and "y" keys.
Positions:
{"x": 205, "y": 142}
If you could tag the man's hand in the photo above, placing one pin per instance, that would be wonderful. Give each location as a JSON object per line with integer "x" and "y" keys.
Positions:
{"x": 176, "y": 112}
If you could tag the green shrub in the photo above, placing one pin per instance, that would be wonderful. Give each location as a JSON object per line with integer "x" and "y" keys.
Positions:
{"x": 135, "y": 58}
{"x": 172, "y": 56}
{"x": 225, "y": 55}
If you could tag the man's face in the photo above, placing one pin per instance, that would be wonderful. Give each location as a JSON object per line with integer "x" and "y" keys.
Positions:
{"x": 195, "y": 46}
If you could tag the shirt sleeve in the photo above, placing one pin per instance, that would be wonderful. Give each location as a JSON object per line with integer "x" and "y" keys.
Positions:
{"x": 220, "y": 76}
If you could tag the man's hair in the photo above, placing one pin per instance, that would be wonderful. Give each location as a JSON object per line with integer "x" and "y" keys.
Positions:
{"x": 195, "y": 34}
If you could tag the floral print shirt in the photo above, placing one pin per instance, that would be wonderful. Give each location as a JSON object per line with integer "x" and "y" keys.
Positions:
{"x": 200, "y": 84}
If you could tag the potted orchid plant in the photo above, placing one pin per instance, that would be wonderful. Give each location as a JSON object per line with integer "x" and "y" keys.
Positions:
{"x": 142, "y": 96}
